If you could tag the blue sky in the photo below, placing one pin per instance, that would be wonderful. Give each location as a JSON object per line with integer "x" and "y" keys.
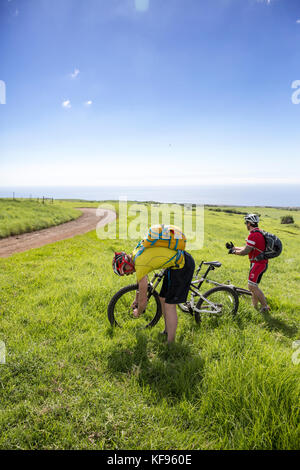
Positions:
{"x": 149, "y": 92}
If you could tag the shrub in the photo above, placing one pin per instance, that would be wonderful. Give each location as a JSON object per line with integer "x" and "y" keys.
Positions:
{"x": 287, "y": 219}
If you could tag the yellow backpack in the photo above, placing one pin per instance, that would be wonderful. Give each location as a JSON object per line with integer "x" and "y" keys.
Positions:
{"x": 168, "y": 236}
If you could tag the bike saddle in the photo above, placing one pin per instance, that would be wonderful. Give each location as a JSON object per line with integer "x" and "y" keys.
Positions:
{"x": 215, "y": 264}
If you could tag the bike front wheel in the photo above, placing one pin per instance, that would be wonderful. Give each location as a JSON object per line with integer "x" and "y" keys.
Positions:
{"x": 120, "y": 314}
{"x": 220, "y": 300}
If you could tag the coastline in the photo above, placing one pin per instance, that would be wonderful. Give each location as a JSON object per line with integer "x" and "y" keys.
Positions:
{"x": 273, "y": 196}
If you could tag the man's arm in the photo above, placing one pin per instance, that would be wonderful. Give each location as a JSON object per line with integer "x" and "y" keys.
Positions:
{"x": 141, "y": 298}
{"x": 242, "y": 251}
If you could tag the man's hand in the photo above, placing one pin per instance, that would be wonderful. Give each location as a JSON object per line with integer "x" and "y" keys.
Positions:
{"x": 135, "y": 312}
{"x": 229, "y": 245}
{"x": 134, "y": 305}
{"x": 138, "y": 311}
{"x": 230, "y": 248}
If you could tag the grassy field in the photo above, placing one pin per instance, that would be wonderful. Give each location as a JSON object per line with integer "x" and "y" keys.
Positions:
{"x": 20, "y": 215}
{"x": 72, "y": 382}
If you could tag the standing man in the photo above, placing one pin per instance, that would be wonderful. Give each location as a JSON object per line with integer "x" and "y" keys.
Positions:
{"x": 255, "y": 244}
{"x": 176, "y": 280}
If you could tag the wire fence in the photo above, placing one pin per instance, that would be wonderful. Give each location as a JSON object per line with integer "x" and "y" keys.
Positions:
{"x": 41, "y": 199}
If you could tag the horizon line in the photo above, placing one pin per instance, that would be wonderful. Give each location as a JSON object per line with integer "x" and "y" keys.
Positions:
{"x": 143, "y": 185}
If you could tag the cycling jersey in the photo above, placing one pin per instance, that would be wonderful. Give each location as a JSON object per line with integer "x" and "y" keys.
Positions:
{"x": 155, "y": 258}
{"x": 257, "y": 241}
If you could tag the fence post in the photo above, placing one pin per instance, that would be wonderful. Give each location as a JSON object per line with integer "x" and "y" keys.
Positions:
{"x": 43, "y": 200}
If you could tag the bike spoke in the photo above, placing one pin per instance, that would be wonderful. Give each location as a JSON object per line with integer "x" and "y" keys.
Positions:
{"x": 218, "y": 303}
{"x": 123, "y": 312}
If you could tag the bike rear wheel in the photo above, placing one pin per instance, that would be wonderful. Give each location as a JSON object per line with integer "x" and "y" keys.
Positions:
{"x": 120, "y": 314}
{"x": 220, "y": 300}
{"x": 241, "y": 291}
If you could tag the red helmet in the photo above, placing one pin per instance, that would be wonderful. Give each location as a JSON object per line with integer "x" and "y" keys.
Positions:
{"x": 119, "y": 261}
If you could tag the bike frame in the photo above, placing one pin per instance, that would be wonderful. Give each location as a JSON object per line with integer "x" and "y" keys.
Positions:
{"x": 194, "y": 288}
{"x": 239, "y": 290}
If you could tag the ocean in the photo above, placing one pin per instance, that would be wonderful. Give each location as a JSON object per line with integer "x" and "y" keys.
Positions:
{"x": 235, "y": 195}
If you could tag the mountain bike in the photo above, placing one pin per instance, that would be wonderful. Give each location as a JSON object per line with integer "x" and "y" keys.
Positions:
{"x": 197, "y": 282}
{"x": 220, "y": 300}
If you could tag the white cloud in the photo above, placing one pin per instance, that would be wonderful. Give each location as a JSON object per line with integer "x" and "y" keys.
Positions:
{"x": 66, "y": 104}
{"x": 88, "y": 103}
{"x": 75, "y": 73}
{"x": 142, "y": 5}
{"x": 298, "y": 21}
{"x": 69, "y": 173}
{"x": 16, "y": 13}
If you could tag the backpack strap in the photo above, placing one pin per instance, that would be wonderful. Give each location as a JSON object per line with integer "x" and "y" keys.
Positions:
{"x": 260, "y": 231}
{"x": 177, "y": 256}
{"x": 140, "y": 251}
{"x": 168, "y": 261}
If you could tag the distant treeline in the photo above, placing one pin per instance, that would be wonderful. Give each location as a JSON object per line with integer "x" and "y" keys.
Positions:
{"x": 230, "y": 211}
{"x": 285, "y": 208}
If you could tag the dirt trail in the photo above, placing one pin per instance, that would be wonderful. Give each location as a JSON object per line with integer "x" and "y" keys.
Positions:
{"x": 85, "y": 223}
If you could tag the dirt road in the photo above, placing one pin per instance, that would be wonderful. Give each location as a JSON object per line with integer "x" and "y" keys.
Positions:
{"x": 85, "y": 223}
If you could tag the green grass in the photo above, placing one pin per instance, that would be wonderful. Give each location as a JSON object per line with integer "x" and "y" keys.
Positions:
{"x": 72, "y": 382}
{"x": 21, "y": 215}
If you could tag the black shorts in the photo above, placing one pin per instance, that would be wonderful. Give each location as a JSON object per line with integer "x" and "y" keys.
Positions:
{"x": 177, "y": 282}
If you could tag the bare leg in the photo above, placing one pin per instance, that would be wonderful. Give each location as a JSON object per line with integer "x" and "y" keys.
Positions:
{"x": 171, "y": 321}
{"x": 162, "y": 303}
{"x": 257, "y": 296}
{"x": 254, "y": 298}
